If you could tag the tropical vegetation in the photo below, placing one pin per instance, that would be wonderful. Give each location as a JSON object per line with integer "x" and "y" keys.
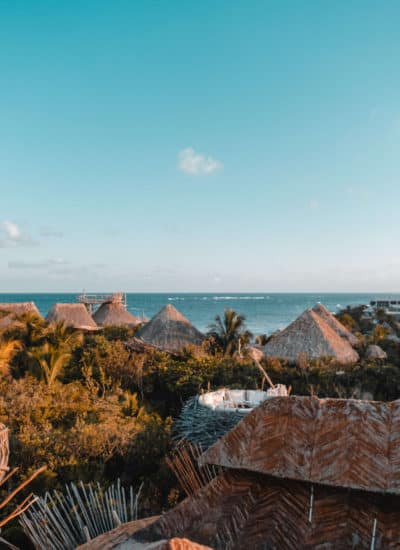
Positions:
{"x": 89, "y": 408}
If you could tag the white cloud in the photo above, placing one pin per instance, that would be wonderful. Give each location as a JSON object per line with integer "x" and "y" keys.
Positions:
{"x": 11, "y": 230}
{"x": 197, "y": 164}
{"x": 11, "y": 235}
{"x": 21, "y": 264}
{"x": 51, "y": 232}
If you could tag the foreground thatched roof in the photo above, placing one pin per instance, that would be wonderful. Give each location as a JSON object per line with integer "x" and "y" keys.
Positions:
{"x": 297, "y": 472}
{"x": 340, "y": 442}
{"x": 114, "y": 313}
{"x": 170, "y": 330}
{"x": 120, "y": 539}
{"x": 74, "y": 315}
{"x": 311, "y": 336}
{"x": 335, "y": 324}
{"x": 375, "y": 353}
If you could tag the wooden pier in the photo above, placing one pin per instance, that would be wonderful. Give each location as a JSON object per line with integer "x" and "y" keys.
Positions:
{"x": 92, "y": 300}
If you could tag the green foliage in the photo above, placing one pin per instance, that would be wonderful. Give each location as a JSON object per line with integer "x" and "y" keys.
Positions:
{"x": 353, "y": 317}
{"x": 66, "y": 426}
{"x": 91, "y": 409}
{"x": 229, "y": 332}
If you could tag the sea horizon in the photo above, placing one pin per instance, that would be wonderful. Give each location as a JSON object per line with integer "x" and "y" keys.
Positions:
{"x": 265, "y": 312}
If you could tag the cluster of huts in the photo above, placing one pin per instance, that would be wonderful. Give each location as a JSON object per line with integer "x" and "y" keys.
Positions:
{"x": 315, "y": 334}
{"x": 168, "y": 330}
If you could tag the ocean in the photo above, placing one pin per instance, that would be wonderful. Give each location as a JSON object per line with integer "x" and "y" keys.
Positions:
{"x": 264, "y": 312}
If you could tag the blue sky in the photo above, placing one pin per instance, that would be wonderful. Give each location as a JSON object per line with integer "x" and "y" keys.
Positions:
{"x": 199, "y": 146}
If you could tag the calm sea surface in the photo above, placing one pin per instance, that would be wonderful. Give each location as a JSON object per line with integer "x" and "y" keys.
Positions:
{"x": 264, "y": 312}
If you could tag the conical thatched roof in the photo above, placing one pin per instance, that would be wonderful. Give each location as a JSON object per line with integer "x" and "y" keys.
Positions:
{"x": 170, "y": 330}
{"x": 10, "y": 313}
{"x": 375, "y": 353}
{"x": 19, "y": 308}
{"x": 336, "y": 325}
{"x": 114, "y": 313}
{"x": 74, "y": 315}
{"x": 311, "y": 336}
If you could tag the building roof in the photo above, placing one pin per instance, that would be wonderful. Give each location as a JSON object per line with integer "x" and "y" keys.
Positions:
{"x": 341, "y": 442}
{"x": 170, "y": 330}
{"x": 335, "y": 324}
{"x": 311, "y": 336}
{"x": 19, "y": 308}
{"x": 118, "y": 539}
{"x": 375, "y": 352}
{"x": 243, "y": 510}
{"x": 114, "y": 313}
{"x": 74, "y": 315}
{"x": 11, "y": 311}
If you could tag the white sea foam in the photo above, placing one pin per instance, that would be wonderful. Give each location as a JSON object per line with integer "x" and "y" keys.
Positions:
{"x": 238, "y": 297}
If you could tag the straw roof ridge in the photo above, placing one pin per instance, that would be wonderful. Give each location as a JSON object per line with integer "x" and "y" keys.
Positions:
{"x": 170, "y": 330}
{"x": 74, "y": 315}
{"x": 345, "y": 443}
{"x": 114, "y": 313}
{"x": 335, "y": 324}
{"x": 310, "y": 335}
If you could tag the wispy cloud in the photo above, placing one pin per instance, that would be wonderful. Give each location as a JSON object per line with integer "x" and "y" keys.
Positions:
{"x": 314, "y": 204}
{"x": 44, "y": 264}
{"x": 51, "y": 232}
{"x": 12, "y": 236}
{"x": 197, "y": 164}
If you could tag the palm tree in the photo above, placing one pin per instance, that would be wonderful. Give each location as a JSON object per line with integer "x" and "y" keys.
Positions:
{"x": 32, "y": 330}
{"x": 52, "y": 360}
{"x": 230, "y": 331}
{"x": 8, "y": 348}
{"x": 62, "y": 335}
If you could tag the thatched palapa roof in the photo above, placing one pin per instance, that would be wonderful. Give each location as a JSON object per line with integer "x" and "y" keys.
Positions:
{"x": 74, "y": 315}
{"x": 311, "y": 336}
{"x": 114, "y": 313}
{"x": 335, "y": 324}
{"x": 11, "y": 311}
{"x": 375, "y": 353}
{"x": 19, "y": 308}
{"x": 170, "y": 330}
{"x": 298, "y": 472}
{"x": 341, "y": 442}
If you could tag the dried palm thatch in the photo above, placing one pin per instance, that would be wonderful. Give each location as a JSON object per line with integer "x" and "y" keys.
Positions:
{"x": 184, "y": 463}
{"x": 341, "y": 442}
{"x": 10, "y": 313}
{"x": 169, "y": 330}
{"x": 138, "y": 345}
{"x": 73, "y": 315}
{"x": 335, "y": 324}
{"x": 375, "y": 353}
{"x": 240, "y": 510}
{"x": 118, "y": 537}
{"x": 63, "y": 521}
{"x": 19, "y": 308}
{"x": 115, "y": 314}
{"x": 309, "y": 335}
{"x": 301, "y": 473}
